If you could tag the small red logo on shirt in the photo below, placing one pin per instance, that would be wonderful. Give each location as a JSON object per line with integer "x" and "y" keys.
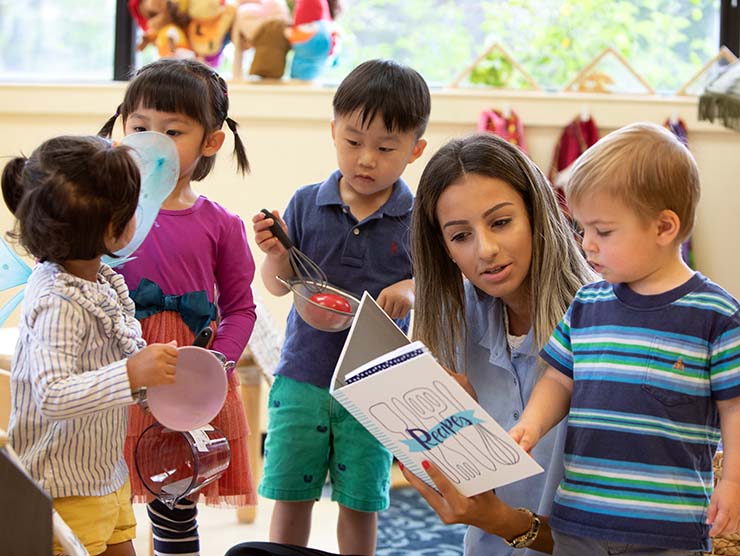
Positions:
{"x": 678, "y": 365}
{"x": 394, "y": 247}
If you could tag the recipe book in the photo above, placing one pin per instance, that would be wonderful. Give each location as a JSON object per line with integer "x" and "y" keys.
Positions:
{"x": 398, "y": 391}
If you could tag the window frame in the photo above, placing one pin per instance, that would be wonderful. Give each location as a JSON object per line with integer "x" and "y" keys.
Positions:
{"x": 729, "y": 25}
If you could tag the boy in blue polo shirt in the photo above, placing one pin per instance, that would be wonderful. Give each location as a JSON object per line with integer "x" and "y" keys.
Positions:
{"x": 355, "y": 225}
{"x": 646, "y": 364}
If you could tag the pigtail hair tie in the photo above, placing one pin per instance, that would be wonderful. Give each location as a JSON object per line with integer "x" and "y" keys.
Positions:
{"x": 239, "y": 150}
{"x": 232, "y": 125}
{"x": 107, "y": 129}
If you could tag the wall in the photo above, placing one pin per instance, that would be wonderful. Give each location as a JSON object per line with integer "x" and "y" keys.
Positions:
{"x": 286, "y": 131}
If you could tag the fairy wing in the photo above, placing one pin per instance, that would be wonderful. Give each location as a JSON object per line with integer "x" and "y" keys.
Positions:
{"x": 156, "y": 156}
{"x": 13, "y": 272}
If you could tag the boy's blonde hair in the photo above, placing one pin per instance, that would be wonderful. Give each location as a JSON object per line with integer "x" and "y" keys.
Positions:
{"x": 646, "y": 167}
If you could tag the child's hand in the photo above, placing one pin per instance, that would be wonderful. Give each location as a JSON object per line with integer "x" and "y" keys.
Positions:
{"x": 723, "y": 513}
{"x": 527, "y": 435}
{"x": 264, "y": 237}
{"x": 397, "y": 299}
{"x": 152, "y": 366}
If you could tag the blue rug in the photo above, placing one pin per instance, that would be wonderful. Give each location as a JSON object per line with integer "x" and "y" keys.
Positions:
{"x": 409, "y": 527}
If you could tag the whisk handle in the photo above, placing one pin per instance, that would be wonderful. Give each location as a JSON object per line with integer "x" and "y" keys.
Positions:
{"x": 277, "y": 230}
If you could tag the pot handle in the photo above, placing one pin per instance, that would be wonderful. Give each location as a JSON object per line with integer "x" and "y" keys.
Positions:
{"x": 229, "y": 367}
{"x": 203, "y": 337}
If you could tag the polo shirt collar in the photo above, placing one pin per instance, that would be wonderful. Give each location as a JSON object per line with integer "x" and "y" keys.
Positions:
{"x": 398, "y": 204}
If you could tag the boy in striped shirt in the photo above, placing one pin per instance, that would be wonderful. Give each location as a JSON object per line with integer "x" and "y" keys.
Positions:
{"x": 645, "y": 364}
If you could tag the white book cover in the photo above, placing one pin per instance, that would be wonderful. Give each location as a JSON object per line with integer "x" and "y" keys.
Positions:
{"x": 410, "y": 403}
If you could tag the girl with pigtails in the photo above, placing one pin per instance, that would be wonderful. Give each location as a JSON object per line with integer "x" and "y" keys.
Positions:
{"x": 193, "y": 270}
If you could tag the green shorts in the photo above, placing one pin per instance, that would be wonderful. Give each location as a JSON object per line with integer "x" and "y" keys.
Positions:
{"x": 309, "y": 433}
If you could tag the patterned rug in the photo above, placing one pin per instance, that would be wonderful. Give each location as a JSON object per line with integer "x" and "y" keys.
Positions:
{"x": 409, "y": 527}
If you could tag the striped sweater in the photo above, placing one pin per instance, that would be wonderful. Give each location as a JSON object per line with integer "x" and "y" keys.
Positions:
{"x": 643, "y": 423}
{"x": 70, "y": 388}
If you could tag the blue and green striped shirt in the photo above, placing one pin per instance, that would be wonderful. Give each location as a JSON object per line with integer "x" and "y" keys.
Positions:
{"x": 643, "y": 423}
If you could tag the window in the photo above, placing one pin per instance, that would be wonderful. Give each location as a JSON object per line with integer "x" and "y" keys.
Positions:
{"x": 666, "y": 41}
{"x": 59, "y": 40}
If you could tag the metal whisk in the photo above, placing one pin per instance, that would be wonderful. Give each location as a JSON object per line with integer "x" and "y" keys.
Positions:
{"x": 304, "y": 267}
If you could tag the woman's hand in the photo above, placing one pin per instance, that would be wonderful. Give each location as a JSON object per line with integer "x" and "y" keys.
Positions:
{"x": 484, "y": 511}
{"x": 480, "y": 511}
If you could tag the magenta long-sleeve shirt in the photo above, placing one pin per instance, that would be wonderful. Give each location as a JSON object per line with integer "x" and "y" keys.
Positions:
{"x": 203, "y": 247}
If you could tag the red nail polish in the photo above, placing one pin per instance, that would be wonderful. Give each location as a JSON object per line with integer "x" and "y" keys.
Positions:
{"x": 425, "y": 464}
{"x": 400, "y": 466}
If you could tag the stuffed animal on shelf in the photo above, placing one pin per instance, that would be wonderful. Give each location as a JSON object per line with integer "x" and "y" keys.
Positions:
{"x": 163, "y": 23}
{"x": 209, "y": 28}
{"x": 261, "y": 25}
{"x": 313, "y": 37}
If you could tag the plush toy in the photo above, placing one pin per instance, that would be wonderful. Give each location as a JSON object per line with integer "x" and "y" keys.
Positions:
{"x": 163, "y": 23}
{"x": 261, "y": 24}
{"x": 209, "y": 28}
{"x": 312, "y": 37}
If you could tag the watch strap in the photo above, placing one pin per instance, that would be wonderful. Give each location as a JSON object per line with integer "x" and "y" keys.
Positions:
{"x": 528, "y": 537}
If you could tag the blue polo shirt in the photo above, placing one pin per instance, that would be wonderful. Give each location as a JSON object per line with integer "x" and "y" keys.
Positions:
{"x": 356, "y": 256}
{"x": 504, "y": 382}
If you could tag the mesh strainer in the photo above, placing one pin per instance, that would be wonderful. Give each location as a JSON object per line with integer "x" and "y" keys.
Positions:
{"x": 316, "y": 315}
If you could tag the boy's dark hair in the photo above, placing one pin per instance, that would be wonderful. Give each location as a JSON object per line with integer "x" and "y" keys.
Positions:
{"x": 67, "y": 194}
{"x": 185, "y": 87}
{"x": 398, "y": 92}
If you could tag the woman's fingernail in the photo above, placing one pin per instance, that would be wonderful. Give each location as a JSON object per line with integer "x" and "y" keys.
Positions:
{"x": 400, "y": 466}
{"x": 425, "y": 464}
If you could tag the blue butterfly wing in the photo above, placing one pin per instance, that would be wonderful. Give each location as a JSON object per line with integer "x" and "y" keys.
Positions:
{"x": 10, "y": 305}
{"x": 156, "y": 156}
{"x": 13, "y": 270}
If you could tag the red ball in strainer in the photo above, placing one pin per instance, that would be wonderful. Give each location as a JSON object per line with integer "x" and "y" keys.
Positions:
{"x": 322, "y": 315}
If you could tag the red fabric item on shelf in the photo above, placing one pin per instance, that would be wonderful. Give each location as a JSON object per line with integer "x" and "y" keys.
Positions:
{"x": 509, "y": 128}
{"x": 576, "y": 137}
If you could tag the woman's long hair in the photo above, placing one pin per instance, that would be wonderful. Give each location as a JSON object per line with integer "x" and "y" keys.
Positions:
{"x": 557, "y": 270}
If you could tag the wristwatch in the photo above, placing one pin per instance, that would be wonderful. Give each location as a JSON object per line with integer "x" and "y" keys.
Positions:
{"x": 527, "y": 538}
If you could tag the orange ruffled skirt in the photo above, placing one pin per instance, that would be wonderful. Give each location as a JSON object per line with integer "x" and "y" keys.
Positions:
{"x": 235, "y": 487}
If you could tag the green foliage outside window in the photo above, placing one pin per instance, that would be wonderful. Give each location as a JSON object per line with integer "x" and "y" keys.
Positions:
{"x": 666, "y": 41}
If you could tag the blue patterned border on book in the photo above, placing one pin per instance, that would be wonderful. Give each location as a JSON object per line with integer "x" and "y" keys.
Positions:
{"x": 386, "y": 365}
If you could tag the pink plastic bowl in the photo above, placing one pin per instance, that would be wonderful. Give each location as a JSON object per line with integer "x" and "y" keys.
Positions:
{"x": 197, "y": 395}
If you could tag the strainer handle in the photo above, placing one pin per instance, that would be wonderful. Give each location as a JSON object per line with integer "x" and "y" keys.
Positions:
{"x": 285, "y": 282}
{"x": 277, "y": 230}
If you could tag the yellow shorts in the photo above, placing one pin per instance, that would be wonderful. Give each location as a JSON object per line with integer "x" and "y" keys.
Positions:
{"x": 98, "y": 521}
